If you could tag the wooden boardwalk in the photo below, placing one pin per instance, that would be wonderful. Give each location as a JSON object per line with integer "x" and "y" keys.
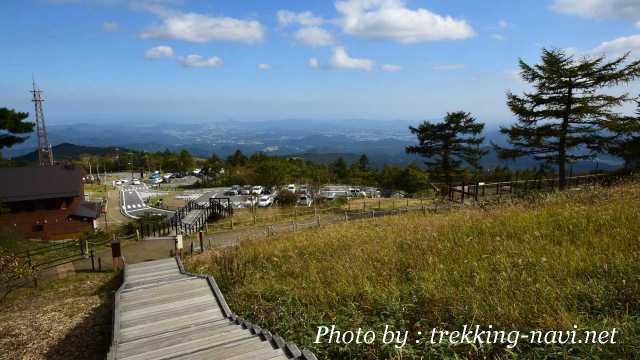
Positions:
{"x": 162, "y": 312}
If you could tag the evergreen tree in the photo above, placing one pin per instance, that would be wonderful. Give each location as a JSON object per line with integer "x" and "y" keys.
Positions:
{"x": 213, "y": 165}
{"x": 565, "y": 118}
{"x": 449, "y": 145}
{"x": 11, "y": 124}
{"x": 185, "y": 161}
{"x": 340, "y": 169}
{"x": 237, "y": 158}
{"x": 363, "y": 162}
{"x": 627, "y": 142}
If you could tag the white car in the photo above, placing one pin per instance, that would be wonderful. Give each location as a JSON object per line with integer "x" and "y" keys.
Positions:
{"x": 124, "y": 181}
{"x": 265, "y": 201}
{"x": 117, "y": 182}
{"x": 250, "y": 202}
{"x": 135, "y": 182}
{"x": 291, "y": 188}
{"x": 257, "y": 190}
{"x": 304, "y": 200}
{"x": 196, "y": 172}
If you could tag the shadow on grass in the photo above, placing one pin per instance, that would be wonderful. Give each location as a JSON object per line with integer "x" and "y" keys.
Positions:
{"x": 90, "y": 339}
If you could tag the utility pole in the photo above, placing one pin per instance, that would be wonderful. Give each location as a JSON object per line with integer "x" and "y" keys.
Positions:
{"x": 45, "y": 154}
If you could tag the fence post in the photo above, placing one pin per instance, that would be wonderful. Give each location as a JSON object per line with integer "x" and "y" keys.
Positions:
{"x": 476, "y": 192}
{"x": 116, "y": 254}
{"x": 93, "y": 264}
{"x": 462, "y": 194}
{"x": 201, "y": 241}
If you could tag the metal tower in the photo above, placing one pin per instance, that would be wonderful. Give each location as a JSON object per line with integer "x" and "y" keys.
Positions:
{"x": 45, "y": 155}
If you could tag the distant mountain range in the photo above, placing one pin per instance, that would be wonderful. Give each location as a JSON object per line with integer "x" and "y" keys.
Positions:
{"x": 66, "y": 151}
{"x": 321, "y": 141}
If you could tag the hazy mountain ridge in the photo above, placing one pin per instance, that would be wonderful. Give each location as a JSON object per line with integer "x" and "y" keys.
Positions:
{"x": 323, "y": 141}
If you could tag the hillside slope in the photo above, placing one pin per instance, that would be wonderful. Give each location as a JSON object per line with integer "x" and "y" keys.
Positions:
{"x": 548, "y": 263}
{"x": 68, "y": 151}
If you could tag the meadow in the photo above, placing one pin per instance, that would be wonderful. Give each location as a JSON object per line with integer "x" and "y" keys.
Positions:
{"x": 546, "y": 262}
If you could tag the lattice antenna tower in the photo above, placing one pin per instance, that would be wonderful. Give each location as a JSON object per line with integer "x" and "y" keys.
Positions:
{"x": 45, "y": 154}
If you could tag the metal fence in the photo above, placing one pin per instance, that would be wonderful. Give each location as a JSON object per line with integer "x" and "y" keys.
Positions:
{"x": 187, "y": 219}
{"x": 478, "y": 191}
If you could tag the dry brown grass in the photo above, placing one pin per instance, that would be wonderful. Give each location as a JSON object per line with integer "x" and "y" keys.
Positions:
{"x": 545, "y": 263}
{"x": 63, "y": 319}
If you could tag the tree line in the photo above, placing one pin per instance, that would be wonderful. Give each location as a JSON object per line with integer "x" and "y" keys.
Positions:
{"x": 566, "y": 117}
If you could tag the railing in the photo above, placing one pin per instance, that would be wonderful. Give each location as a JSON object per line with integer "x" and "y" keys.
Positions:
{"x": 476, "y": 190}
{"x": 182, "y": 223}
{"x": 55, "y": 254}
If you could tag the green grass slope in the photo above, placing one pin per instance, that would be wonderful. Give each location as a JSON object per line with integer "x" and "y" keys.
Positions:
{"x": 548, "y": 263}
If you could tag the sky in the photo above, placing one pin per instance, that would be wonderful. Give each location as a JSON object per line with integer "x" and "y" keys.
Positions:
{"x": 212, "y": 60}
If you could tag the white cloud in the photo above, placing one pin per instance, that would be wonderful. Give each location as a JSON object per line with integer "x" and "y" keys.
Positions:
{"x": 313, "y": 62}
{"x": 314, "y": 36}
{"x": 158, "y": 52}
{"x": 447, "y": 67}
{"x": 503, "y": 24}
{"x": 200, "y": 28}
{"x": 599, "y": 9}
{"x": 110, "y": 26}
{"x": 199, "y": 61}
{"x": 619, "y": 46}
{"x": 342, "y": 60}
{"x": 498, "y": 37}
{"x": 392, "y": 20}
{"x": 306, "y": 18}
{"x": 391, "y": 68}
{"x": 264, "y": 66}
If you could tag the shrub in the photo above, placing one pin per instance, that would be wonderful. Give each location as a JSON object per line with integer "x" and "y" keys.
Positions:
{"x": 286, "y": 198}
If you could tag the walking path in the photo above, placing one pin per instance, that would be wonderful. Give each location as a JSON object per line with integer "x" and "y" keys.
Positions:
{"x": 162, "y": 312}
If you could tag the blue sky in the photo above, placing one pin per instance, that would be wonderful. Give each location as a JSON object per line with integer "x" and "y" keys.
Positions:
{"x": 197, "y": 60}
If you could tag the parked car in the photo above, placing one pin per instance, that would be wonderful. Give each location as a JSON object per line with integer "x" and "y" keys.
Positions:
{"x": 135, "y": 182}
{"x": 197, "y": 172}
{"x": 230, "y": 193}
{"x": 291, "y": 188}
{"x": 331, "y": 193}
{"x": 265, "y": 201}
{"x": 304, "y": 200}
{"x": 250, "y": 201}
{"x": 245, "y": 190}
{"x": 257, "y": 190}
{"x": 117, "y": 182}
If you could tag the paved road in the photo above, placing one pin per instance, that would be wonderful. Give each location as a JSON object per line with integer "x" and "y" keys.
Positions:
{"x": 133, "y": 206}
{"x": 211, "y": 193}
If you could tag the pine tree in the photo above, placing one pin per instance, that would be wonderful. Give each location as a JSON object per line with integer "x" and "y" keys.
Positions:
{"x": 449, "y": 145}
{"x": 363, "y": 162}
{"x": 340, "y": 169}
{"x": 12, "y": 123}
{"x": 237, "y": 159}
{"x": 627, "y": 142}
{"x": 565, "y": 118}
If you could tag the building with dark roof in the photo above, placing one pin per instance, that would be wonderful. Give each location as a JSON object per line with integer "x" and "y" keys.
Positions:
{"x": 46, "y": 202}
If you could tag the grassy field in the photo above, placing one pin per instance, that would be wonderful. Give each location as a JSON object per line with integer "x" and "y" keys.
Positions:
{"x": 63, "y": 319}
{"x": 546, "y": 263}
